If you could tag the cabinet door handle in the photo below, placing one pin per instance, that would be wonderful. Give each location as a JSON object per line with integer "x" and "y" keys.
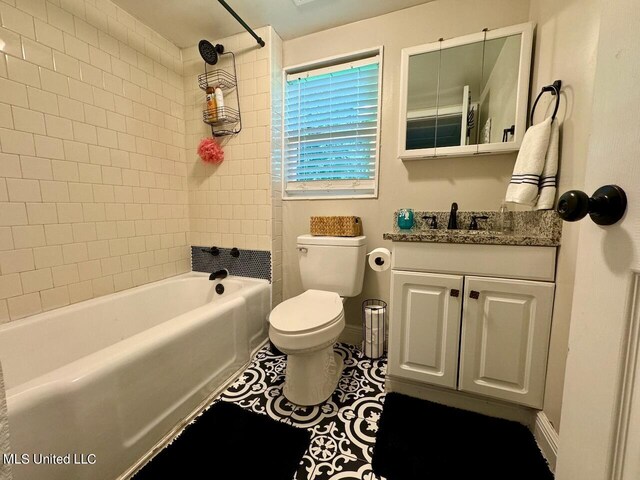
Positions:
{"x": 474, "y": 294}
{"x": 455, "y": 292}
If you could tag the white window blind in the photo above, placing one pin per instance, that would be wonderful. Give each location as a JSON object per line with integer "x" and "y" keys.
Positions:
{"x": 331, "y": 130}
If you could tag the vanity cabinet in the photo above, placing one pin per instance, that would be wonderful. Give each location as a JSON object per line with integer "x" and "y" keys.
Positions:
{"x": 472, "y": 329}
{"x": 426, "y": 337}
{"x": 505, "y": 335}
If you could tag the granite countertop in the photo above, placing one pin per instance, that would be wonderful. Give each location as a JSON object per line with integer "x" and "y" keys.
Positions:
{"x": 542, "y": 229}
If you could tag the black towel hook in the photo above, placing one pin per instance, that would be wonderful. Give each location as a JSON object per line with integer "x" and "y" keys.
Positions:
{"x": 554, "y": 88}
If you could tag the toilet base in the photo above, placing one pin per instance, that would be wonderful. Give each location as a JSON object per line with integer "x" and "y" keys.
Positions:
{"x": 312, "y": 377}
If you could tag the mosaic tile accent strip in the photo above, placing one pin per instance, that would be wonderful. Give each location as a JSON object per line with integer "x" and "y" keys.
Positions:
{"x": 250, "y": 263}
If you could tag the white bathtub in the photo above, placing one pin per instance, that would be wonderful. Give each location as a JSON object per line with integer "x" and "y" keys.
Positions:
{"x": 112, "y": 376}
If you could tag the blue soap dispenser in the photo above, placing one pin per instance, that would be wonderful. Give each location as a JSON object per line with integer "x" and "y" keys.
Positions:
{"x": 405, "y": 218}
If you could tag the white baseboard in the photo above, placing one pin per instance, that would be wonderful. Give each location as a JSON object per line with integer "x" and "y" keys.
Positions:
{"x": 547, "y": 439}
{"x": 352, "y": 334}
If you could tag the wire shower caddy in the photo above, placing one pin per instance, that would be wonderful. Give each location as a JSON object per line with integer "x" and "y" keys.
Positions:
{"x": 224, "y": 120}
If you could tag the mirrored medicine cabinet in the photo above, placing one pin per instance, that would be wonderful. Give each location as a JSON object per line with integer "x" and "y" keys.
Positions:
{"x": 466, "y": 95}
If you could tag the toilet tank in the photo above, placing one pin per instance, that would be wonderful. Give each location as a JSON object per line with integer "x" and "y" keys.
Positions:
{"x": 335, "y": 264}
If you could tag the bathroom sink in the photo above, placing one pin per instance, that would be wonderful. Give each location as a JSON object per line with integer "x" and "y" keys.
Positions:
{"x": 459, "y": 231}
{"x": 488, "y": 237}
{"x": 451, "y": 233}
{"x": 539, "y": 228}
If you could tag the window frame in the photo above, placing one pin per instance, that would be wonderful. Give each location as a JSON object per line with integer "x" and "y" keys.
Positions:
{"x": 303, "y": 193}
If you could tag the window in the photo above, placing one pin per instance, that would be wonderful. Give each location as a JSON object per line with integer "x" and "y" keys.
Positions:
{"x": 331, "y": 129}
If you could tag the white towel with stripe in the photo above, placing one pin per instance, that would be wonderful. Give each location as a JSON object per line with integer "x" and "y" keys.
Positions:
{"x": 525, "y": 181}
{"x": 548, "y": 182}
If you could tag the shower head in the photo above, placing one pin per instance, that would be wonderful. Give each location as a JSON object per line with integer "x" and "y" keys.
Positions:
{"x": 208, "y": 52}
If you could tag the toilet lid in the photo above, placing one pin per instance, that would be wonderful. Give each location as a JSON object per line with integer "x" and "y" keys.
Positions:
{"x": 308, "y": 311}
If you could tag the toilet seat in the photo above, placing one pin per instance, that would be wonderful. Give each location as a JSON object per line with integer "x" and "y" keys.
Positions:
{"x": 310, "y": 311}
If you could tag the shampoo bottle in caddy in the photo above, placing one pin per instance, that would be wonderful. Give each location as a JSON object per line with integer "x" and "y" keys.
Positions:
{"x": 220, "y": 102}
{"x": 212, "y": 107}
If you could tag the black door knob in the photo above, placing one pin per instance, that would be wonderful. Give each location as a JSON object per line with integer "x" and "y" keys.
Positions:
{"x": 605, "y": 207}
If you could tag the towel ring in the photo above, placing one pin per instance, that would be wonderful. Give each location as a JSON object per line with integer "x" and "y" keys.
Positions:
{"x": 554, "y": 88}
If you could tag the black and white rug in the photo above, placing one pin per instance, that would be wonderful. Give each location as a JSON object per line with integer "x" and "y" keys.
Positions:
{"x": 343, "y": 429}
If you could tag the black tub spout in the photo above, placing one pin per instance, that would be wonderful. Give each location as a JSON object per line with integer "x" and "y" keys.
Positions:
{"x": 220, "y": 274}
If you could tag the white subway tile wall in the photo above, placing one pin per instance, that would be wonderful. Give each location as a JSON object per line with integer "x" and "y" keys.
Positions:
{"x": 93, "y": 161}
{"x": 277, "y": 116}
{"x": 230, "y": 205}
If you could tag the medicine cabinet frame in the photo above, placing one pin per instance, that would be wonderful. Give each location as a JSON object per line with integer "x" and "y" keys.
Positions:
{"x": 522, "y": 95}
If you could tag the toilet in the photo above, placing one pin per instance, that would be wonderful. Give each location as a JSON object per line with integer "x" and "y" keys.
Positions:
{"x": 307, "y": 326}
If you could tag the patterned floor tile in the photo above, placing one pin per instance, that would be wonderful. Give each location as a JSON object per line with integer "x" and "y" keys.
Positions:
{"x": 363, "y": 378}
{"x": 358, "y": 470}
{"x": 331, "y": 450}
{"x": 308, "y": 417}
{"x": 361, "y": 434}
{"x": 343, "y": 428}
{"x": 360, "y": 391}
{"x": 259, "y": 387}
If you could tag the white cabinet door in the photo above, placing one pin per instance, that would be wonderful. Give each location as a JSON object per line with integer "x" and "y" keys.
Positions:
{"x": 424, "y": 328}
{"x": 505, "y": 338}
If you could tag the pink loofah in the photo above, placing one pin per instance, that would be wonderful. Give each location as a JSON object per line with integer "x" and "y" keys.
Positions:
{"x": 210, "y": 151}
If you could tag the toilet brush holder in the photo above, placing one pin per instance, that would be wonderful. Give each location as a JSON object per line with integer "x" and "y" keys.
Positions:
{"x": 374, "y": 328}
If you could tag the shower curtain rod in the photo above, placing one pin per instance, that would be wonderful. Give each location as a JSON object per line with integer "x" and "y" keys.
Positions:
{"x": 242, "y": 22}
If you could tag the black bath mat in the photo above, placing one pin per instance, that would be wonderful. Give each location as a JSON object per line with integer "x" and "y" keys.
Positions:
{"x": 228, "y": 442}
{"x": 422, "y": 440}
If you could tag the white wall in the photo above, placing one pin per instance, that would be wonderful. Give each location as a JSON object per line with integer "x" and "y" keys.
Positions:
{"x": 600, "y": 416}
{"x": 566, "y": 41}
{"x": 101, "y": 188}
{"x": 229, "y": 204}
{"x": 92, "y": 165}
{"x": 276, "y": 168}
{"x": 236, "y": 203}
{"x": 566, "y": 49}
{"x": 476, "y": 183}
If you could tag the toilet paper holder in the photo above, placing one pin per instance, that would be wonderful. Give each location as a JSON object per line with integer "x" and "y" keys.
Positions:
{"x": 378, "y": 259}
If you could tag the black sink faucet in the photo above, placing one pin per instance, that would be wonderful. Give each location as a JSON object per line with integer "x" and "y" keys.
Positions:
{"x": 220, "y": 274}
{"x": 453, "y": 219}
